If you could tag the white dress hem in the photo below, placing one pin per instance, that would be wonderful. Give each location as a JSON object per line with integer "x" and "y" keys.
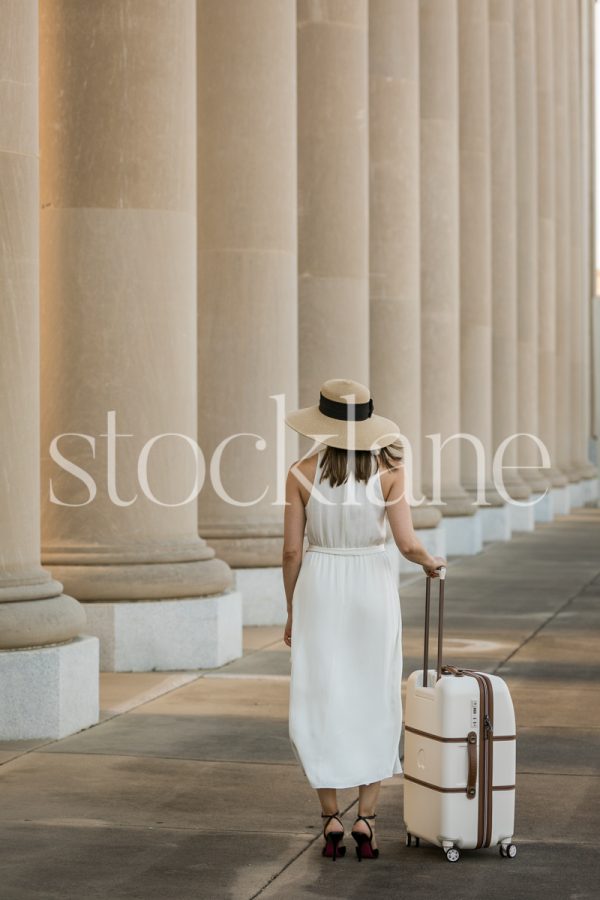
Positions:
{"x": 369, "y": 780}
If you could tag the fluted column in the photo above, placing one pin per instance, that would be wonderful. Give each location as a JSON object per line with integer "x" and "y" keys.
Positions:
{"x": 565, "y": 258}
{"x": 247, "y": 267}
{"x": 475, "y": 247}
{"x": 589, "y": 76}
{"x": 505, "y": 384}
{"x": 333, "y": 202}
{"x": 594, "y": 430}
{"x": 546, "y": 236}
{"x": 575, "y": 303}
{"x": 579, "y": 308}
{"x": 118, "y": 238}
{"x": 440, "y": 254}
{"x": 588, "y": 63}
{"x": 527, "y": 243}
{"x": 394, "y": 225}
{"x": 33, "y": 609}
{"x": 48, "y": 659}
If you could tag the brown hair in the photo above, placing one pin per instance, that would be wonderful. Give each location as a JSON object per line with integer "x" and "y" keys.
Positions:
{"x": 334, "y": 464}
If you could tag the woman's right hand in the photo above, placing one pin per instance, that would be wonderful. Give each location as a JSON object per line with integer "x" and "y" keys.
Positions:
{"x": 432, "y": 570}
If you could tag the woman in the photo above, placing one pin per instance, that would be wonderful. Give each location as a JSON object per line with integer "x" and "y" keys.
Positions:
{"x": 344, "y": 623}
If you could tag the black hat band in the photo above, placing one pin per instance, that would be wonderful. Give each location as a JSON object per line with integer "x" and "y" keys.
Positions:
{"x": 355, "y": 412}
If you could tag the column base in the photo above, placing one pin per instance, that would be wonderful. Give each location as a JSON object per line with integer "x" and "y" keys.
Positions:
{"x": 166, "y": 635}
{"x": 593, "y": 453}
{"x": 263, "y": 595}
{"x": 543, "y": 510}
{"x": 246, "y": 551}
{"x": 576, "y": 494}
{"x": 138, "y": 581}
{"x": 535, "y": 478}
{"x": 463, "y": 534}
{"x": 556, "y": 477}
{"x": 49, "y": 692}
{"x": 495, "y": 523}
{"x": 560, "y": 500}
{"x": 591, "y": 491}
{"x": 522, "y": 518}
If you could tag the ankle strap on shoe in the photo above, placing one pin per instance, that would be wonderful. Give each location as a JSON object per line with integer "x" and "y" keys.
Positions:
{"x": 329, "y": 815}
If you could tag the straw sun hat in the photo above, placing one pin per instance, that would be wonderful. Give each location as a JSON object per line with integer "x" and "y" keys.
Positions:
{"x": 344, "y": 418}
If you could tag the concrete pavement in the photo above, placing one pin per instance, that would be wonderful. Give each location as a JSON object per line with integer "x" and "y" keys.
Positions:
{"x": 188, "y": 787}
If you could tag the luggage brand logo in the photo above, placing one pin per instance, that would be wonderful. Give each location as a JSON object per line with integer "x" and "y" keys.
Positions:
{"x": 474, "y": 715}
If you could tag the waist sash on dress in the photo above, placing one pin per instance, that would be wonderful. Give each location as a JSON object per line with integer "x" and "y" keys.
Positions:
{"x": 347, "y": 551}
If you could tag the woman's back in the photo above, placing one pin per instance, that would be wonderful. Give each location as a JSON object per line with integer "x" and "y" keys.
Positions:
{"x": 346, "y": 515}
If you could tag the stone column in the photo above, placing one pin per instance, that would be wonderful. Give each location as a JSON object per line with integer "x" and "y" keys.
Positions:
{"x": 574, "y": 293}
{"x": 248, "y": 282}
{"x": 48, "y": 670}
{"x": 394, "y": 232}
{"x": 546, "y": 247}
{"x": 589, "y": 81}
{"x": 579, "y": 307}
{"x": 475, "y": 261}
{"x": 333, "y": 198}
{"x": 589, "y": 98}
{"x": 505, "y": 386}
{"x": 594, "y": 445}
{"x": 590, "y": 480}
{"x": 118, "y": 232}
{"x": 527, "y": 256}
{"x": 440, "y": 275}
{"x": 565, "y": 259}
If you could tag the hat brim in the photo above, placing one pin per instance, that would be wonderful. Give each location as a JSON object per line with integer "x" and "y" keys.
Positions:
{"x": 370, "y": 434}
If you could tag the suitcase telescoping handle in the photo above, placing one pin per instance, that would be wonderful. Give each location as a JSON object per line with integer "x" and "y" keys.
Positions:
{"x": 442, "y": 578}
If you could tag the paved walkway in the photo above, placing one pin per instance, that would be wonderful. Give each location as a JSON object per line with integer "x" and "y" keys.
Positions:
{"x": 188, "y": 787}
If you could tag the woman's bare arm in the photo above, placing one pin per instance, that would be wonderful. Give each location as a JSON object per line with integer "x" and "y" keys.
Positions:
{"x": 294, "y": 523}
{"x": 400, "y": 519}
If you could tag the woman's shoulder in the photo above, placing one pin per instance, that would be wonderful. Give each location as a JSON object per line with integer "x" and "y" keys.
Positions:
{"x": 389, "y": 476}
{"x": 306, "y": 468}
{"x": 306, "y": 465}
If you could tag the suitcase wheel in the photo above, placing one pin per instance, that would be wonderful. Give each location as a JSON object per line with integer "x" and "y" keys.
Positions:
{"x": 508, "y": 851}
{"x": 453, "y": 854}
{"x": 409, "y": 840}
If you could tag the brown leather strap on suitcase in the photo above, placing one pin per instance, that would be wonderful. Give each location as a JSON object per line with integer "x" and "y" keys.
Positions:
{"x": 453, "y": 670}
{"x": 442, "y": 578}
{"x": 472, "y": 775}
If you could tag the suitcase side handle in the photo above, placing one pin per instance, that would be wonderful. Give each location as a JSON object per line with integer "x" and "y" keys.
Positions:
{"x": 472, "y": 776}
{"x": 442, "y": 578}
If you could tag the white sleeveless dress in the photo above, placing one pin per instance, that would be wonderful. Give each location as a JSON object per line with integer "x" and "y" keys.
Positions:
{"x": 345, "y": 703}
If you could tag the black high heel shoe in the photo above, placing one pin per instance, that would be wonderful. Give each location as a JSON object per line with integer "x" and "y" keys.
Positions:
{"x": 332, "y": 838}
{"x": 364, "y": 848}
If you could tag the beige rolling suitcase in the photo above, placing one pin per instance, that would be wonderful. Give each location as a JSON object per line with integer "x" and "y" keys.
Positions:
{"x": 459, "y": 755}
